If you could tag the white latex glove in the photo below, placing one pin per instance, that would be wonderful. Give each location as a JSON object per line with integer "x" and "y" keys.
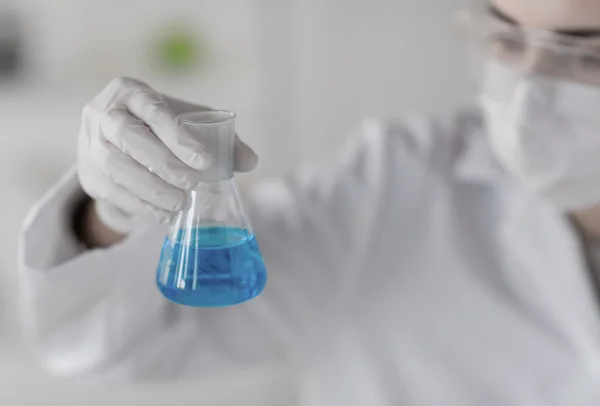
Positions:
{"x": 136, "y": 160}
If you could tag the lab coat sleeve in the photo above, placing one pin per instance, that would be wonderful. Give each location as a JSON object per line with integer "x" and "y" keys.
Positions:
{"x": 97, "y": 314}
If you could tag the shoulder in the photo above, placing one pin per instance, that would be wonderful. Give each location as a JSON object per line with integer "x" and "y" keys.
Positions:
{"x": 435, "y": 142}
{"x": 378, "y": 154}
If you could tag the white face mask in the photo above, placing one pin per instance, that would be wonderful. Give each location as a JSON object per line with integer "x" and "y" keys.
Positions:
{"x": 545, "y": 132}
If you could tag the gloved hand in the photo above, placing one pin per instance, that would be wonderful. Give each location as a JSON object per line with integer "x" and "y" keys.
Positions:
{"x": 136, "y": 160}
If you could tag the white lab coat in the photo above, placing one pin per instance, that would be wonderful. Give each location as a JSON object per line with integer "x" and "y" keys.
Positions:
{"x": 408, "y": 273}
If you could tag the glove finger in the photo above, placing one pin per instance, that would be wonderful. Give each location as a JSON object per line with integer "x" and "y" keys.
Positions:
{"x": 123, "y": 222}
{"x": 134, "y": 138}
{"x": 102, "y": 188}
{"x": 126, "y": 172}
{"x": 245, "y": 159}
{"x": 150, "y": 108}
{"x": 113, "y": 212}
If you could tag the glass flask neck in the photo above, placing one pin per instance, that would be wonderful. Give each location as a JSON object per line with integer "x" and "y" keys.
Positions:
{"x": 215, "y": 130}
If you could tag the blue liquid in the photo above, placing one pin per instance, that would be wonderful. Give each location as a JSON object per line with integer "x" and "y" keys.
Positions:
{"x": 211, "y": 267}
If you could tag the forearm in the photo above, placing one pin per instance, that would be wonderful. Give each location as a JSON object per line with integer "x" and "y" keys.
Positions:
{"x": 91, "y": 230}
{"x": 99, "y": 315}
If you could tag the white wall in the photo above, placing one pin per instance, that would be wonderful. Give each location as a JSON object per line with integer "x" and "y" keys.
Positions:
{"x": 300, "y": 74}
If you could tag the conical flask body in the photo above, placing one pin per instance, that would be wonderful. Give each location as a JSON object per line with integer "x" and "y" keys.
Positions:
{"x": 211, "y": 257}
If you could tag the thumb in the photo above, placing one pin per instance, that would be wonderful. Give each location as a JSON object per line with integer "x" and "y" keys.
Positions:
{"x": 245, "y": 159}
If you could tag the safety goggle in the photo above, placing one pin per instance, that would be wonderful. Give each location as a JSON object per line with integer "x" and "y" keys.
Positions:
{"x": 529, "y": 50}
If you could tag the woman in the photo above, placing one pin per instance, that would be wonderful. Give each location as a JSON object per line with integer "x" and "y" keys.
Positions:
{"x": 433, "y": 263}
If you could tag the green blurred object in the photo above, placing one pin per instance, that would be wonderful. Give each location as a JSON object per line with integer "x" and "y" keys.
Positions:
{"x": 178, "y": 48}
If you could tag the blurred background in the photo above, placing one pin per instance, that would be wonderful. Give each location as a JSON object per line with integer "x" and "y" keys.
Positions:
{"x": 299, "y": 73}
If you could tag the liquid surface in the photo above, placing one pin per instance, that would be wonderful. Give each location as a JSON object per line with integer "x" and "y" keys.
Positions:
{"x": 212, "y": 267}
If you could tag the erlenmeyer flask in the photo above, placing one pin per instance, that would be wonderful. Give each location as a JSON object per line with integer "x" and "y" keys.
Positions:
{"x": 210, "y": 257}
